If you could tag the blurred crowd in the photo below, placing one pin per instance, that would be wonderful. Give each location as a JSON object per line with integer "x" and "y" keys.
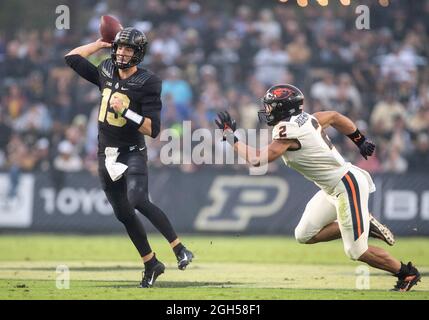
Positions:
{"x": 212, "y": 57}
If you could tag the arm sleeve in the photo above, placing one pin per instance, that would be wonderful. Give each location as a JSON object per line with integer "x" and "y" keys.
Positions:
{"x": 155, "y": 117}
{"x": 84, "y": 68}
{"x": 152, "y": 105}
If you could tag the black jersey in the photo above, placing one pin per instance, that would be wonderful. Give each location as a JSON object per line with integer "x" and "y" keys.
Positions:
{"x": 141, "y": 93}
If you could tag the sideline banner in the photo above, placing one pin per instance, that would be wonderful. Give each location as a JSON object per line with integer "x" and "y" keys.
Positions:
{"x": 207, "y": 201}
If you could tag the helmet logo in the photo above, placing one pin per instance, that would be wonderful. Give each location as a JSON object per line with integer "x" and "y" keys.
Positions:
{"x": 282, "y": 93}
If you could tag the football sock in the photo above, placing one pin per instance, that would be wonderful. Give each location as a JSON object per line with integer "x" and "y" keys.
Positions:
{"x": 151, "y": 263}
{"x": 403, "y": 271}
{"x": 177, "y": 248}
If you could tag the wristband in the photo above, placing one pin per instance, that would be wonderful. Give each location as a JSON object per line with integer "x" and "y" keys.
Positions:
{"x": 134, "y": 117}
{"x": 357, "y": 137}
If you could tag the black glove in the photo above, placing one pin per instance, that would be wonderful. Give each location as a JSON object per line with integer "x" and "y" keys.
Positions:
{"x": 365, "y": 146}
{"x": 227, "y": 124}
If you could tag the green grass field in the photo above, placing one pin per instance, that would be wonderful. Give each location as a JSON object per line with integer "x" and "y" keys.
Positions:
{"x": 108, "y": 267}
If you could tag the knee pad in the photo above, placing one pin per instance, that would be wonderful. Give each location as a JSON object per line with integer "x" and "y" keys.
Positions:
{"x": 301, "y": 236}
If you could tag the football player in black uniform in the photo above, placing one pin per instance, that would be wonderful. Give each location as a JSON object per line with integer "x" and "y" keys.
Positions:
{"x": 130, "y": 108}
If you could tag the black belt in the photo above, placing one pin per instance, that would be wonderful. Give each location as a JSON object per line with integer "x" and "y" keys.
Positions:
{"x": 131, "y": 149}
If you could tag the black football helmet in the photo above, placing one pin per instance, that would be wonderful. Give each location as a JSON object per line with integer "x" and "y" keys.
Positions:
{"x": 280, "y": 102}
{"x": 133, "y": 38}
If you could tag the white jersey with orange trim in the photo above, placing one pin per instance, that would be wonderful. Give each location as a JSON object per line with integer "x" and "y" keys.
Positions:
{"x": 316, "y": 159}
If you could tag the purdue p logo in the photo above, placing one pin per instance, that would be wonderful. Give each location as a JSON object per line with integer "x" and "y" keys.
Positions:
{"x": 236, "y": 200}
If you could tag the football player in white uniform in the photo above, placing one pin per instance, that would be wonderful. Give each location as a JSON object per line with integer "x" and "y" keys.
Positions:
{"x": 340, "y": 208}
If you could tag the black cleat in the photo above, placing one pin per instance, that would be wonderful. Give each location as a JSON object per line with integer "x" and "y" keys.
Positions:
{"x": 380, "y": 231}
{"x": 184, "y": 257}
{"x": 150, "y": 275}
{"x": 408, "y": 280}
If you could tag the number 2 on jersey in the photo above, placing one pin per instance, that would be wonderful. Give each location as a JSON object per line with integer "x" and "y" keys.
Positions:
{"x": 112, "y": 118}
{"x": 282, "y": 132}
{"x": 325, "y": 137}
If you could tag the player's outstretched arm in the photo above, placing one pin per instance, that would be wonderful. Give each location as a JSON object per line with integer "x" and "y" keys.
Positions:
{"x": 255, "y": 157}
{"x": 76, "y": 59}
{"x": 346, "y": 126}
{"x": 335, "y": 119}
{"x": 89, "y": 49}
{"x": 260, "y": 157}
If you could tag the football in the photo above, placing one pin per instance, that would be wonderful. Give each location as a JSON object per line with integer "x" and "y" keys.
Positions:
{"x": 109, "y": 27}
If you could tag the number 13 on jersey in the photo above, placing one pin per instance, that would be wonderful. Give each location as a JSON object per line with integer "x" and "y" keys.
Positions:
{"x": 111, "y": 117}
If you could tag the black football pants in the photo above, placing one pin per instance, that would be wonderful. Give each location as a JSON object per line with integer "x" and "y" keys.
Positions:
{"x": 131, "y": 192}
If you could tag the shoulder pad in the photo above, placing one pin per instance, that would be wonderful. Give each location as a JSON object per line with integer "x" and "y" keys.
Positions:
{"x": 300, "y": 119}
{"x": 107, "y": 67}
{"x": 285, "y": 130}
{"x": 141, "y": 78}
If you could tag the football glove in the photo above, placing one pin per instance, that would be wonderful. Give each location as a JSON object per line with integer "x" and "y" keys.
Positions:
{"x": 227, "y": 124}
{"x": 367, "y": 148}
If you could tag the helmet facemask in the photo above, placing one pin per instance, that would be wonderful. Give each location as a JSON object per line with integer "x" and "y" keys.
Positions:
{"x": 131, "y": 38}
{"x": 266, "y": 114}
{"x": 135, "y": 59}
